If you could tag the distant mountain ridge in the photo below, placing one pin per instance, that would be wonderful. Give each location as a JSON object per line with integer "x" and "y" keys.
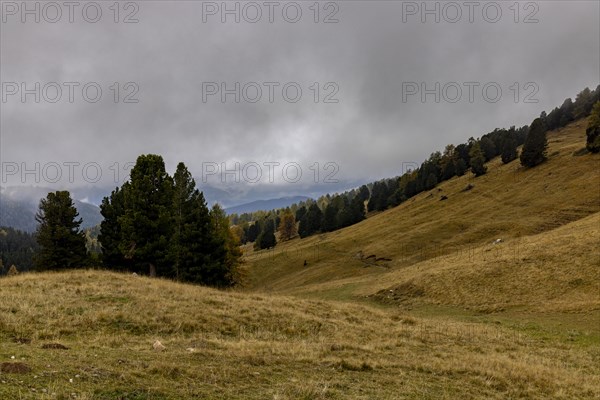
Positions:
{"x": 18, "y": 212}
{"x": 265, "y": 205}
{"x": 18, "y": 207}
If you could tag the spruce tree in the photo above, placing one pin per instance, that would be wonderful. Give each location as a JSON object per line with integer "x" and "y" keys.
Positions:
{"x": 460, "y": 167}
{"x": 509, "y": 150}
{"x": 253, "y": 232}
{"x": 462, "y": 152}
{"x": 110, "y": 237}
{"x": 192, "y": 242}
{"x": 301, "y": 212}
{"x": 357, "y": 210}
{"x": 330, "y": 217}
{"x": 583, "y": 103}
{"x": 431, "y": 181}
{"x": 379, "y": 197}
{"x": 226, "y": 253}
{"x": 477, "y": 160}
{"x": 62, "y": 243}
{"x": 266, "y": 239}
{"x": 535, "y": 147}
{"x": 311, "y": 222}
{"x": 488, "y": 148}
{"x": 593, "y": 130}
{"x": 146, "y": 224}
{"x": 363, "y": 193}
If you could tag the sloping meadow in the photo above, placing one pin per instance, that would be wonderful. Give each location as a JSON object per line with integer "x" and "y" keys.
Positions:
{"x": 90, "y": 334}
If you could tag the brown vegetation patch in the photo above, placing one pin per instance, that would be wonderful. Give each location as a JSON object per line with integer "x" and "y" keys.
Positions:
{"x": 54, "y": 346}
{"x": 14, "y": 368}
{"x": 401, "y": 293}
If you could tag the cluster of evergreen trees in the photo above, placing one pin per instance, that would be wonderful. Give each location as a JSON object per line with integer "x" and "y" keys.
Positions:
{"x": 329, "y": 213}
{"x": 266, "y": 233}
{"x": 16, "y": 248}
{"x": 153, "y": 222}
{"x": 161, "y": 224}
{"x": 302, "y": 219}
{"x": 441, "y": 166}
{"x": 570, "y": 111}
{"x": 342, "y": 210}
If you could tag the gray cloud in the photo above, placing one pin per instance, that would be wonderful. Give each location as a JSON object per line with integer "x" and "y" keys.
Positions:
{"x": 368, "y": 54}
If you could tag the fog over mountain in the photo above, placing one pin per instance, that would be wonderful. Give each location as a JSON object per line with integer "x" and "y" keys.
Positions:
{"x": 19, "y": 205}
{"x": 380, "y": 89}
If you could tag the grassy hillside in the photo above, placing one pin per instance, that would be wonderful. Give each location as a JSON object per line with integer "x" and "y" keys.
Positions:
{"x": 90, "y": 335}
{"x": 416, "y": 302}
{"x": 441, "y": 252}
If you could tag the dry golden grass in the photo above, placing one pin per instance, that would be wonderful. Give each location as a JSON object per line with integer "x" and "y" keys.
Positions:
{"x": 542, "y": 281}
{"x": 548, "y": 218}
{"x": 258, "y": 346}
{"x": 452, "y": 316}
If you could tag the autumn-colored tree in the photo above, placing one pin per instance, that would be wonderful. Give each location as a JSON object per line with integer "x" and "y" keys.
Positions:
{"x": 287, "y": 226}
{"x": 12, "y": 271}
{"x": 477, "y": 160}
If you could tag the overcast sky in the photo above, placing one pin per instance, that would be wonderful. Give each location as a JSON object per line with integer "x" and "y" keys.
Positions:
{"x": 371, "y": 62}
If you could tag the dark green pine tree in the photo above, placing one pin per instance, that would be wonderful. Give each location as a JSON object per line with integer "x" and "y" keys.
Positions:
{"x": 488, "y": 148}
{"x": 253, "y": 232}
{"x": 266, "y": 238}
{"x": 110, "y": 237}
{"x": 583, "y": 103}
{"x": 62, "y": 243}
{"x": 379, "y": 196}
{"x": 509, "y": 150}
{"x": 147, "y": 223}
{"x": 194, "y": 251}
{"x": 363, "y": 193}
{"x": 344, "y": 217}
{"x": 225, "y": 255}
{"x": 462, "y": 153}
{"x": 357, "y": 209}
{"x": 477, "y": 160}
{"x": 460, "y": 167}
{"x": 431, "y": 181}
{"x": 593, "y": 130}
{"x": 448, "y": 167}
{"x": 311, "y": 222}
{"x": 301, "y": 212}
{"x": 535, "y": 147}
{"x": 330, "y": 216}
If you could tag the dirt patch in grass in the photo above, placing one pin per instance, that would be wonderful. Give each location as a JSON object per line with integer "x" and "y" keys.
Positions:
{"x": 54, "y": 346}
{"x": 399, "y": 294}
{"x": 14, "y": 368}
